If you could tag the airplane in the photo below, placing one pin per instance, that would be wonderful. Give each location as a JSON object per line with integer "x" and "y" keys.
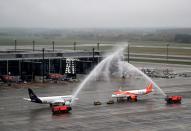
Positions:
{"x": 132, "y": 94}
{"x": 52, "y": 100}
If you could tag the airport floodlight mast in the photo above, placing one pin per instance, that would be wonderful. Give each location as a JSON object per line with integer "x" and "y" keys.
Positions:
{"x": 93, "y": 53}
{"x": 15, "y": 45}
{"x": 98, "y": 45}
{"x": 128, "y": 52}
{"x": 53, "y": 45}
{"x": 74, "y": 45}
{"x": 167, "y": 46}
{"x": 43, "y": 65}
{"x": 33, "y": 43}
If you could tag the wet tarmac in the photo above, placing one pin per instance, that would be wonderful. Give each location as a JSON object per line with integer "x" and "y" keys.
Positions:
{"x": 149, "y": 113}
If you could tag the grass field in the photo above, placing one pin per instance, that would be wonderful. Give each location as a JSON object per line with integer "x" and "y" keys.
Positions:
{"x": 137, "y": 47}
{"x": 149, "y": 47}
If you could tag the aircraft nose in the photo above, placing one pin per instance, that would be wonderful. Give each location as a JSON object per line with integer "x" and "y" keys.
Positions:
{"x": 113, "y": 95}
{"x": 67, "y": 103}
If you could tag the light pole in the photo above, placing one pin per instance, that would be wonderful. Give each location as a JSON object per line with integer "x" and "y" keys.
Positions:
{"x": 43, "y": 65}
{"x": 128, "y": 52}
{"x": 74, "y": 45}
{"x": 98, "y": 46}
{"x": 53, "y": 46}
{"x": 15, "y": 45}
{"x": 93, "y": 53}
{"x": 167, "y": 53}
{"x": 33, "y": 42}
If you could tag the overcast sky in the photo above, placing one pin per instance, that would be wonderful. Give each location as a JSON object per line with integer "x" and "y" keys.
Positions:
{"x": 95, "y": 13}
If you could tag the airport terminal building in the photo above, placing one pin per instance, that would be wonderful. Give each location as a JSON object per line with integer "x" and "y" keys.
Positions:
{"x": 30, "y": 65}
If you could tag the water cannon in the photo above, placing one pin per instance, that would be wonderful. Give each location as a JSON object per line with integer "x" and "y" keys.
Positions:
{"x": 173, "y": 99}
{"x": 61, "y": 109}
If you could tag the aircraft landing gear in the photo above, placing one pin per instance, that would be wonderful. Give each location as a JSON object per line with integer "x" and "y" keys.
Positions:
{"x": 132, "y": 99}
{"x": 129, "y": 99}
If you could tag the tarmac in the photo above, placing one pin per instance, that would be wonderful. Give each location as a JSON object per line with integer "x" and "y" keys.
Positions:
{"x": 150, "y": 113}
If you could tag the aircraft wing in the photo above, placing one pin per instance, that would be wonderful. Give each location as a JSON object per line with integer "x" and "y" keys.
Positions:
{"x": 65, "y": 100}
{"x": 123, "y": 94}
{"x": 58, "y": 101}
{"x": 27, "y": 99}
{"x": 129, "y": 94}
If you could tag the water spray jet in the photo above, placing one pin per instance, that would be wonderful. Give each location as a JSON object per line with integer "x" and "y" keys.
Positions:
{"x": 117, "y": 57}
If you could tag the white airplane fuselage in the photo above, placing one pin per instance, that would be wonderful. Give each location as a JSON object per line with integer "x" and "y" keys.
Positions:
{"x": 138, "y": 92}
{"x": 129, "y": 93}
{"x": 52, "y": 99}
{"x": 65, "y": 100}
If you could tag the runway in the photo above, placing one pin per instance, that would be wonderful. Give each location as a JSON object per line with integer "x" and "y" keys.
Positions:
{"x": 149, "y": 113}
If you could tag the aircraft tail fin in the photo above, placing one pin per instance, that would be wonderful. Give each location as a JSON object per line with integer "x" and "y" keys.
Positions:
{"x": 149, "y": 88}
{"x": 120, "y": 89}
{"x": 33, "y": 96}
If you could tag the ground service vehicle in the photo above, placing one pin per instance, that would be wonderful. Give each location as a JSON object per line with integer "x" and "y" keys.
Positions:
{"x": 61, "y": 109}
{"x": 173, "y": 99}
